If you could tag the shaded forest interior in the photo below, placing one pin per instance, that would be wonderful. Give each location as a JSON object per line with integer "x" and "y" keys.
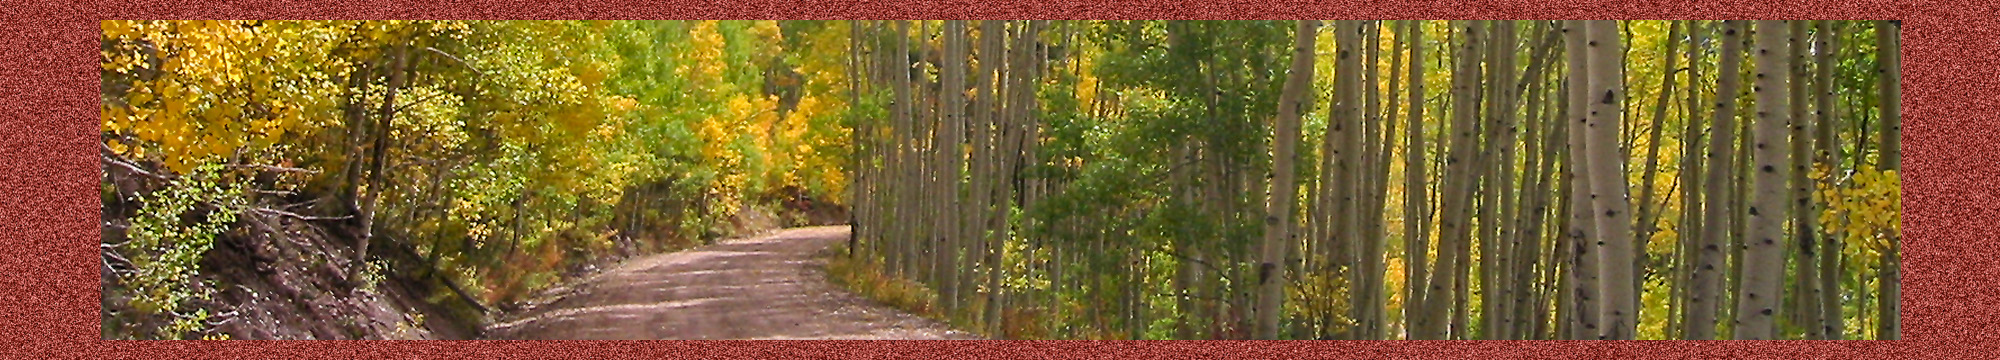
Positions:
{"x": 1020, "y": 179}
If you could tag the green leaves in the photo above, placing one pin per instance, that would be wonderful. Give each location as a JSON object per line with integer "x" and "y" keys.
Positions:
{"x": 169, "y": 236}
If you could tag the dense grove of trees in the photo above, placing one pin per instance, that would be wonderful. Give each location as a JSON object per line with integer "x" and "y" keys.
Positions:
{"x": 1558, "y": 179}
{"x": 1051, "y": 179}
{"x": 501, "y": 154}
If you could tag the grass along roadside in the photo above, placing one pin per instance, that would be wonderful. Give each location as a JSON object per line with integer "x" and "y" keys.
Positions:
{"x": 866, "y": 277}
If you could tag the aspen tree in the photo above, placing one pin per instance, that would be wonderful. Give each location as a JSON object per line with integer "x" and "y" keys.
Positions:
{"x": 1763, "y": 265}
{"x": 1803, "y": 311}
{"x": 1293, "y": 102}
{"x": 1888, "y": 35}
{"x": 1609, "y": 191}
{"x": 1710, "y": 259}
{"x": 1586, "y": 294}
{"x": 1416, "y": 213}
{"x": 1830, "y": 154}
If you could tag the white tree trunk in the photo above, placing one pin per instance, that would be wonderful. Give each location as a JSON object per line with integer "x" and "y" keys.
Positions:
{"x": 1764, "y": 258}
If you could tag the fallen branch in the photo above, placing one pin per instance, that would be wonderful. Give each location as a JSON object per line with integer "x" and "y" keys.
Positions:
{"x": 300, "y": 217}
{"x": 108, "y": 255}
{"x": 108, "y": 269}
{"x": 289, "y": 207}
{"x": 226, "y": 318}
{"x": 273, "y": 192}
{"x": 273, "y": 168}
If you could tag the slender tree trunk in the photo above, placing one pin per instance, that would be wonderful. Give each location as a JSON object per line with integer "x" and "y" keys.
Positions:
{"x": 986, "y": 108}
{"x": 1006, "y": 129}
{"x": 1372, "y": 320}
{"x": 1583, "y": 211}
{"x": 1804, "y": 307}
{"x": 1493, "y": 166}
{"x": 1834, "y": 326}
{"x": 896, "y": 66}
{"x": 950, "y": 152}
{"x": 1454, "y": 234}
{"x": 1531, "y": 313}
{"x": 1763, "y": 269}
{"x": 1345, "y": 129}
{"x": 1352, "y": 119}
{"x": 1478, "y": 153}
{"x": 1608, "y": 186}
{"x": 1717, "y": 217}
{"x": 1530, "y": 214}
{"x": 1688, "y": 245}
{"x": 398, "y": 78}
{"x": 1416, "y": 213}
{"x": 1648, "y": 212}
{"x": 1890, "y": 43}
{"x": 1293, "y": 102}
{"x": 856, "y": 193}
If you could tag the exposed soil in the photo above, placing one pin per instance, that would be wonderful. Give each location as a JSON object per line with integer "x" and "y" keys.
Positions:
{"x": 771, "y": 286}
{"x": 277, "y": 278}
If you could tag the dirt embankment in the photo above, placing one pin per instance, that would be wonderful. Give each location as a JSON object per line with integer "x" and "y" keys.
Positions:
{"x": 280, "y": 277}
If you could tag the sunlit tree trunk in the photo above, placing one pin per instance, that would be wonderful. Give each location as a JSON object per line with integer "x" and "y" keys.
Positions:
{"x": 1585, "y": 293}
{"x": 1763, "y": 268}
{"x": 1609, "y": 191}
{"x": 1293, "y": 102}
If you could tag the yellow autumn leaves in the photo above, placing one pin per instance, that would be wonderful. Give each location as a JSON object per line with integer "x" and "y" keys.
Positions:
{"x": 1869, "y": 210}
{"x": 201, "y": 89}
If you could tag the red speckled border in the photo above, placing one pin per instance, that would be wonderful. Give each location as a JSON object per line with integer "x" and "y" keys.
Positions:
{"x": 47, "y": 175}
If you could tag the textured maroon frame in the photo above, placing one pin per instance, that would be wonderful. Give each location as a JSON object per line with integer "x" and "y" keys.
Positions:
{"x": 48, "y": 176}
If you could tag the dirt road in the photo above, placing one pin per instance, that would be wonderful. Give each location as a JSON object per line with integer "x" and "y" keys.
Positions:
{"x": 765, "y": 287}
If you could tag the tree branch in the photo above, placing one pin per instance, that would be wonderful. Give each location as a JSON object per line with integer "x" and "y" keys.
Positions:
{"x": 112, "y": 158}
{"x": 400, "y": 108}
{"x": 297, "y": 216}
{"x": 468, "y": 65}
{"x": 273, "y": 168}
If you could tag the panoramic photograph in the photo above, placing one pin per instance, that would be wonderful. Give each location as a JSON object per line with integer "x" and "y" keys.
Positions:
{"x": 1001, "y": 179}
